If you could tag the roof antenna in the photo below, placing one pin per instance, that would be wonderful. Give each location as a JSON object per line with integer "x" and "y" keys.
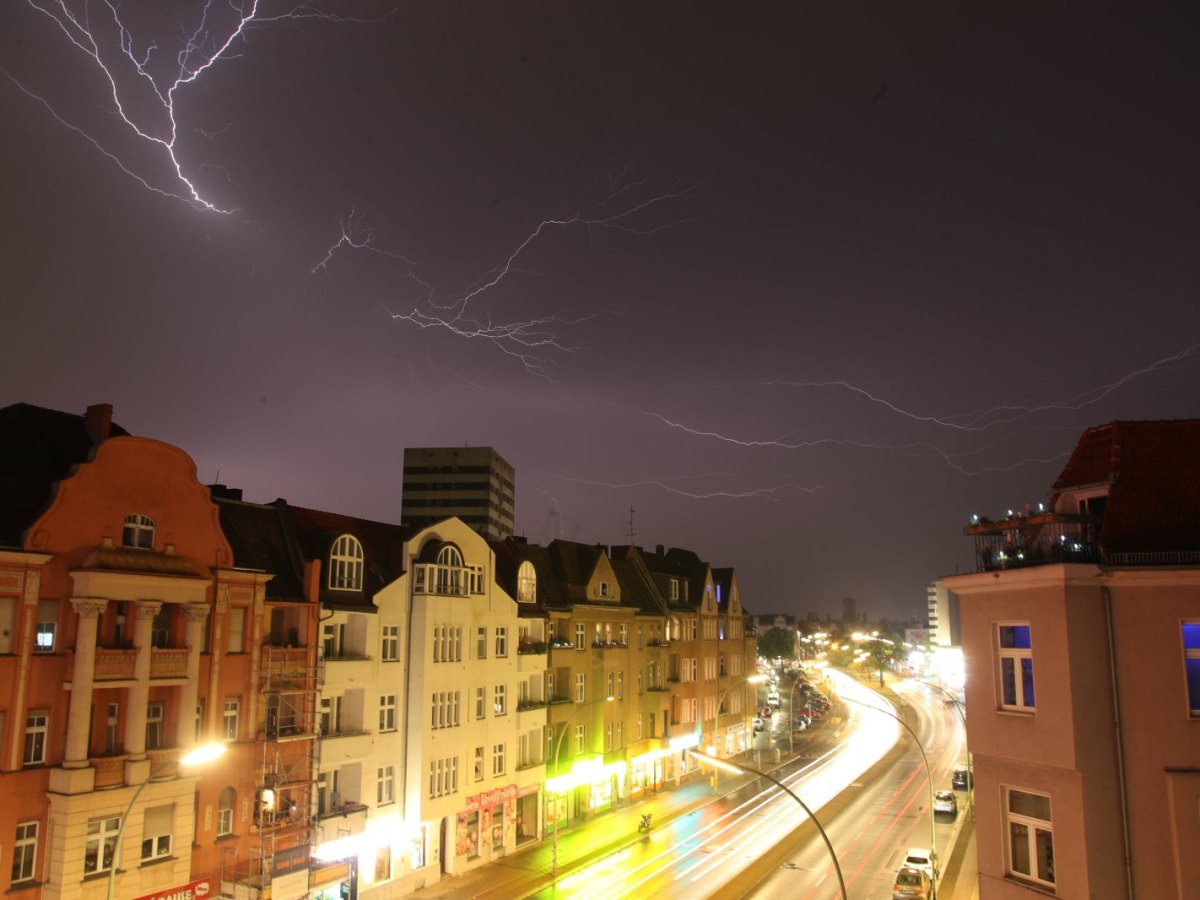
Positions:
{"x": 632, "y": 530}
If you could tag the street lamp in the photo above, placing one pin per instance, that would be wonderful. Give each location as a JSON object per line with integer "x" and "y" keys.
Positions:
{"x": 203, "y": 754}
{"x": 753, "y": 679}
{"x": 924, "y": 759}
{"x": 741, "y": 770}
{"x": 579, "y": 707}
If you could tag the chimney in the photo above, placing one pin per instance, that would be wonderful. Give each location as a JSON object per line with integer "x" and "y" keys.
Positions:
{"x": 98, "y": 422}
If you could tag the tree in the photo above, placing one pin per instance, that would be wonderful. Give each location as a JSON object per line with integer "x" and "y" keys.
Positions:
{"x": 777, "y": 642}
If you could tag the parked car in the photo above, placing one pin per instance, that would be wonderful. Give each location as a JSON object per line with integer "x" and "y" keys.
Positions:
{"x": 945, "y": 802}
{"x": 912, "y": 884}
{"x": 923, "y": 859}
{"x": 961, "y": 779}
{"x": 759, "y": 724}
{"x": 773, "y": 698}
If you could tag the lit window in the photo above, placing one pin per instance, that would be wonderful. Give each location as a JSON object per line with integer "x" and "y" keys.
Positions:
{"x": 1191, "y": 661}
{"x": 24, "y": 852}
{"x": 230, "y": 718}
{"x": 346, "y": 564}
{"x": 1030, "y": 837}
{"x": 101, "y": 844}
{"x": 1014, "y": 651}
{"x": 500, "y": 704}
{"x": 526, "y": 583}
{"x": 47, "y": 626}
{"x": 138, "y": 533}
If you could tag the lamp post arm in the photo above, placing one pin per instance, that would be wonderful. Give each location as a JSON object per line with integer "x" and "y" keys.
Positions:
{"x": 828, "y": 846}
{"x": 116, "y": 860}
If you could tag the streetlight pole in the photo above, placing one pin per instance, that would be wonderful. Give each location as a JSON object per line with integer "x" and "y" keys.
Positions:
{"x": 202, "y": 754}
{"x": 924, "y": 759}
{"x": 753, "y": 679}
{"x": 579, "y": 707}
{"x": 741, "y": 770}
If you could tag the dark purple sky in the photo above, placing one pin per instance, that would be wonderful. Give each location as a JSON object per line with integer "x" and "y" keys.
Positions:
{"x": 853, "y": 272}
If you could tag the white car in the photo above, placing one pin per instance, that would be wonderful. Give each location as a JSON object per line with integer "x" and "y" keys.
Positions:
{"x": 759, "y": 724}
{"x": 925, "y": 860}
{"x": 773, "y": 698}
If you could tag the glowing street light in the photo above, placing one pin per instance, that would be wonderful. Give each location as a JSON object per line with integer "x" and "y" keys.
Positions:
{"x": 741, "y": 770}
{"x": 753, "y": 679}
{"x": 205, "y": 753}
{"x": 579, "y": 707}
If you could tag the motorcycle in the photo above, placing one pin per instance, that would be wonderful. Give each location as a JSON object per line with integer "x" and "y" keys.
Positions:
{"x": 644, "y": 825}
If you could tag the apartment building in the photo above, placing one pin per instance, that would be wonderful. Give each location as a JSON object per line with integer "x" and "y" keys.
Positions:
{"x": 1081, "y": 635}
{"x": 474, "y": 484}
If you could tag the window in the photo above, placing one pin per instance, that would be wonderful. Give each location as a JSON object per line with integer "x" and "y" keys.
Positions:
{"x": 623, "y": 635}
{"x": 237, "y": 629}
{"x": 37, "y": 723}
{"x": 500, "y": 700}
{"x": 24, "y": 851}
{"x": 640, "y": 688}
{"x": 389, "y": 650}
{"x": 475, "y": 579}
{"x": 154, "y": 726}
{"x": 526, "y": 583}
{"x": 157, "y": 828}
{"x": 602, "y": 590}
{"x": 501, "y": 641}
{"x": 46, "y": 635}
{"x": 160, "y": 628}
{"x": 1030, "y": 837}
{"x": 480, "y": 703}
{"x": 481, "y": 642}
{"x": 385, "y": 785}
{"x": 580, "y": 635}
{"x": 387, "y": 712}
{"x": 498, "y": 759}
{"x": 580, "y": 738}
{"x": 138, "y": 533}
{"x": 346, "y": 564}
{"x": 100, "y": 845}
{"x": 620, "y": 734}
{"x": 608, "y": 736}
{"x": 1015, "y": 653}
{"x": 445, "y": 709}
{"x": 112, "y": 739}
{"x": 225, "y": 812}
{"x": 674, "y": 588}
{"x": 580, "y": 687}
{"x": 479, "y": 764}
{"x": 1191, "y": 661}
{"x": 230, "y": 718}
{"x": 443, "y": 777}
{"x": 611, "y": 682}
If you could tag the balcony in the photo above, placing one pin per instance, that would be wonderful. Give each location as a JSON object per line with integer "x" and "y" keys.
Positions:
{"x": 1043, "y": 539}
{"x": 350, "y": 744}
{"x": 444, "y": 581}
{"x": 117, "y": 663}
{"x": 610, "y": 645}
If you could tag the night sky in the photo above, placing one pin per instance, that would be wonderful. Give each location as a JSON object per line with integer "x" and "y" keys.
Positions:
{"x": 806, "y": 285}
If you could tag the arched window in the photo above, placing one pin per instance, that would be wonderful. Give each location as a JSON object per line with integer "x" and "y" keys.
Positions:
{"x": 449, "y": 556}
{"x": 449, "y": 571}
{"x": 526, "y": 583}
{"x": 225, "y": 811}
{"x": 346, "y": 564}
{"x": 138, "y": 533}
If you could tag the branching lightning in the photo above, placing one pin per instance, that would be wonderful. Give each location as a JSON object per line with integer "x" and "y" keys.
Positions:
{"x": 530, "y": 341}
{"x": 773, "y": 492}
{"x": 132, "y": 77}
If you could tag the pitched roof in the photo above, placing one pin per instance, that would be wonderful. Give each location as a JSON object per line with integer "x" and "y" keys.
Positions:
{"x": 677, "y": 563}
{"x": 263, "y": 537}
{"x": 38, "y": 448}
{"x": 383, "y": 550}
{"x": 638, "y": 587}
{"x": 510, "y": 554}
{"x": 1152, "y": 469}
{"x": 573, "y": 564}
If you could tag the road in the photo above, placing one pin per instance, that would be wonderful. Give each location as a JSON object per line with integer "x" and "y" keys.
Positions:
{"x": 722, "y": 850}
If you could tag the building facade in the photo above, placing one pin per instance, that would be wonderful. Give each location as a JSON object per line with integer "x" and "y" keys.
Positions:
{"x": 474, "y": 484}
{"x": 1081, "y": 635}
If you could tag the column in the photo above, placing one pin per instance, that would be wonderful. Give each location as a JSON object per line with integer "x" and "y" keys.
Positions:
{"x": 185, "y": 727}
{"x": 79, "y": 717}
{"x": 139, "y": 693}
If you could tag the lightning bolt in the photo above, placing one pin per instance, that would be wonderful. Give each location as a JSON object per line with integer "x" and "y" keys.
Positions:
{"x": 771, "y": 492}
{"x": 131, "y": 76}
{"x": 530, "y": 341}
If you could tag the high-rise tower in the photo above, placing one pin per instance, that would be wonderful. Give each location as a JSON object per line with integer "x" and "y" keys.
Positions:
{"x": 473, "y": 483}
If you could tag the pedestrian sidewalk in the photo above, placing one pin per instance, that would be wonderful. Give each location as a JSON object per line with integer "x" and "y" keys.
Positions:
{"x": 531, "y": 869}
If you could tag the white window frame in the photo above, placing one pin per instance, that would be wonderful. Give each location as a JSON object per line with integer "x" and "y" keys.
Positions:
{"x": 387, "y": 712}
{"x": 501, "y": 641}
{"x": 389, "y": 645}
{"x": 385, "y": 785}
{"x": 1016, "y": 658}
{"x": 37, "y": 727}
{"x": 526, "y": 583}
{"x": 231, "y": 718}
{"x": 225, "y": 813}
{"x": 500, "y": 700}
{"x": 479, "y": 764}
{"x": 24, "y": 864}
{"x": 346, "y": 564}
{"x": 158, "y": 838}
{"x": 155, "y": 735}
{"x": 580, "y": 635}
{"x": 1028, "y": 841}
{"x": 101, "y": 842}
{"x": 498, "y": 759}
{"x": 580, "y": 738}
{"x": 580, "y": 687}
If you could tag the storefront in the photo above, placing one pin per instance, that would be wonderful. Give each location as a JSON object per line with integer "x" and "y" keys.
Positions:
{"x": 528, "y": 800}
{"x": 487, "y": 827}
{"x": 649, "y": 771}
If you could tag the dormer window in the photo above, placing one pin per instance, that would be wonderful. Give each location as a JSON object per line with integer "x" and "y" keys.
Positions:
{"x": 138, "y": 533}
{"x": 603, "y": 589}
{"x": 526, "y": 583}
{"x": 346, "y": 564}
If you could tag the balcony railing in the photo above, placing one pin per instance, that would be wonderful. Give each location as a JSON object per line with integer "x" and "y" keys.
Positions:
{"x": 609, "y": 645}
{"x": 532, "y": 647}
{"x": 447, "y": 581}
{"x": 1038, "y": 540}
{"x": 117, "y": 663}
